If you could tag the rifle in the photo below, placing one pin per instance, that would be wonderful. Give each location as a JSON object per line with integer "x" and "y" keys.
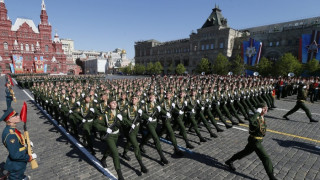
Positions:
{"x": 23, "y": 116}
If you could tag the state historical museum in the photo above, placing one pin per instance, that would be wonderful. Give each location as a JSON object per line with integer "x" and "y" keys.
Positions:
{"x": 25, "y": 48}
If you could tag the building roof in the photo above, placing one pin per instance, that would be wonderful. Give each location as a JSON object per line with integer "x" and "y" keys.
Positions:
{"x": 215, "y": 18}
{"x": 285, "y": 25}
{"x": 21, "y": 21}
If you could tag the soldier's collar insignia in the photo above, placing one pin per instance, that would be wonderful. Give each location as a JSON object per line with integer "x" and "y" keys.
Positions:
{"x": 11, "y": 131}
{"x": 12, "y": 141}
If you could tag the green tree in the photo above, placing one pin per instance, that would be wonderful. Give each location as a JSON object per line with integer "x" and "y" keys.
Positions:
{"x": 157, "y": 68}
{"x": 203, "y": 66}
{"x": 312, "y": 66}
{"x": 171, "y": 68}
{"x": 221, "y": 65}
{"x": 180, "y": 69}
{"x": 139, "y": 69}
{"x": 264, "y": 67}
{"x": 237, "y": 65}
{"x": 287, "y": 64}
{"x": 150, "y": 68}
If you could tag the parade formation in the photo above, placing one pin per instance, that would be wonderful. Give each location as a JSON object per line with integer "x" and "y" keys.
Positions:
{"x": 94, "y": 108}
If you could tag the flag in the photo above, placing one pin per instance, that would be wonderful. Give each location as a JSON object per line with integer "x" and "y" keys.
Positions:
{"x": 23, "y": 113}
{"x": 251, "y": 51}
{"x": 309, "y": 47}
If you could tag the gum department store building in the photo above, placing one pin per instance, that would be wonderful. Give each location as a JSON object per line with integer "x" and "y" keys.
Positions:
{"x": 215, "y": 36}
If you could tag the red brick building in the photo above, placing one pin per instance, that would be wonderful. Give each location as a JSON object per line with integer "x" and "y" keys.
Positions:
{"x": 25, "y": 48}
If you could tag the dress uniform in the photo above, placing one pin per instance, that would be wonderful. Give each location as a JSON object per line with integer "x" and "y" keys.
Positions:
{"x": 109, "y": 123}
{"x": 257, "y": 130}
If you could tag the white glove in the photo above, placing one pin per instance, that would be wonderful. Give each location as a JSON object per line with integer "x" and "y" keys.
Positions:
{"x": 83, "y": 120}
{"x": 304, "y": 87}
{"x": 181, "y": 112}
{"x": 198, "y": 101}
{"x": 185, "y": 103}
{"x": 210, "y": 106}
{"x": 159, "y": 108}
{"x": 92, "y": 110}
{"x": 70, "y": 111}
{"x": 231, "y": 101}
{"x": 46, "y": 101}
{"x": 173, "y": 105}
{"x": 59, "y": 105}
{"x": 78, "y": 103}
{"x": 207, "y": 100}
{"x": 82, "y": 94}
{"x": 140, "y": 112}
{"x": 218, "y": 103}
{"x": 142, "y": 102}
{"x": 31, "y": 144}
{"x": 150, "y": 119}
{"x": 119, "y": 117}
{"x": 95, "y": 101}
{"x": 202, "y": 108}
{"x": 168, "y": 115}
{"x": 109, "y": 131}
{"x": 67, "y": 98}
{"x": 193, "y": 111}
{"x": 96, "y": 95}
{"x": 133, "y": 126}
{"x": 34, "y": 156}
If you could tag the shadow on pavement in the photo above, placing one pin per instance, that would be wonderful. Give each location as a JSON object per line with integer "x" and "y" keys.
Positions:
{"x": 210, "y": 161}
{"x": 298, "y": 145}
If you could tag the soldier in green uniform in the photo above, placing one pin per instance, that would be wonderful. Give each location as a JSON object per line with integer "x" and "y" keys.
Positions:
{"x": 151, "y": 111}
{"x": 109, "y": 124}
{"x": 257, "y": 130}
{"x": 131, "y": 125}
{"x": 301, "y": 98}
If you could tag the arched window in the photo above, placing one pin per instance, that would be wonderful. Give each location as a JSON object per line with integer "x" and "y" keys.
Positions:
{"x": 27, "y": 47}
{"x": 5, "y": 46}
{"x": 21, "y": 47}
{"x": 32, "y": 47}
{"x": 47, "y": 48}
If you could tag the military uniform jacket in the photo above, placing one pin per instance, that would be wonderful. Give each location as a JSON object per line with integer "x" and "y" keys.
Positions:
{"x": 302, "y": 93}
{"x": 180, "y": 105}
{"x": 8, "y": 94}
{"x": 109, "y": 120}
{"x": 150, "y": 110}
{"x": 18, "y": 157}
{"x": 130, "y": 115}
{"x": 122, "y": 105}
{"x": 166, "y": 106}
{"x": 257, "y": 125}
{"x": 87, "y": 111}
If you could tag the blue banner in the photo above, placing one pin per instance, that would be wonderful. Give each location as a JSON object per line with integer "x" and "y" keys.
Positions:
{"x": 310, "y": 47}
{"x": 45, "y": 68}
{"x": 251, "y": 52}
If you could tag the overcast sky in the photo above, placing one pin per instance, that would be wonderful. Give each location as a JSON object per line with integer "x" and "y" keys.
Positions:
{"x": 104, "y": 25}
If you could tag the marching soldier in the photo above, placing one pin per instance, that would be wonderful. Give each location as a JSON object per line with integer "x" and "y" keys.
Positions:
{"x": 257, "y": 126}
{"x": 109, "y": 124}
{"x": 301, "y": 98}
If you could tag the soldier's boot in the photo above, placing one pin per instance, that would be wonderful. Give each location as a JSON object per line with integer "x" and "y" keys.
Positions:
{"x": 142, "y": 148}
{"x": 229, "y": 163}
{"x": 177, "y": 151}
{"x": 216, "y": 126}
{"x": 233, "y": 122}
{"x": 188, "y": 145}
{"x": 143, "y": 168}
{"x": 103, "y": 161}
{"x": 162, "y": 158}
{"x": 202, "y": 139}
{"x": 119, "y": 173}
{"x": 272, "y": 177}
{"x": 285, "y": 117}
{"x": 212, "y": 134}
{"x": 240, "y": 121}
{"x": 125, "y": 156}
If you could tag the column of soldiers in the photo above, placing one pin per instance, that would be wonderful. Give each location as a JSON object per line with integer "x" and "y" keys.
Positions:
{"x": 90, "y": 107}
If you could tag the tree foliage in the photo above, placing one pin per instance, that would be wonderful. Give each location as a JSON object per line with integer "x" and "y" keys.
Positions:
{"x": 312, "y": 66}
{"x": 180, "y": 69}
{"x": 139, "y": 69}
{"x": 171, "y": 68}
{"x": 203, "y": 66}
{"x": 237, "y": 65}
{"x": 264, "y": 67}
{"x": 157, "y": 68}
{"x": 287, "y": 64}
{"x": 150, "y": 68}
{"x": 221, "y": 65}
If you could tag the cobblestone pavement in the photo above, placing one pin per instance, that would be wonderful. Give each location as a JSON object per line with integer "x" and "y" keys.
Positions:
{"x": 292, "y": 147}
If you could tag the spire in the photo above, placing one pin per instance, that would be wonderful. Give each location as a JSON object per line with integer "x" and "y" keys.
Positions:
{"x": 56, "y": 38}
{"x": 216, "y": 18}
{"x": 43, "y": 5}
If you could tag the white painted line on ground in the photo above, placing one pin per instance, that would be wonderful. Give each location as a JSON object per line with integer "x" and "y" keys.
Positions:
{"x": 181, "y": 148}
{"x": 296, "y": 111}
{"x": 92, "y": 158}
{"x": 234, "y": 127}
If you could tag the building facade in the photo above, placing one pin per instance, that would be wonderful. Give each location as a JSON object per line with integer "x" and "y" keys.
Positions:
{"x": 216, "y": 37}
{"x": 25, "y": 48}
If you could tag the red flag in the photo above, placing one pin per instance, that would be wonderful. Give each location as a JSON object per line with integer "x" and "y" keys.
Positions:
{"x": 23, "y": 113}
{"x": 10, "y": 80}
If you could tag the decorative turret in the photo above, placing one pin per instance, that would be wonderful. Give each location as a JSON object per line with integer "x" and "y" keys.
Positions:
{"x": 215, "y": 19}
{"x": 43, "y": 16}
{"x": 37, "y": 46}
{"x": 15, "y": 45}
{"x": 56, "y": 38}
{"x": 3, "y": 11}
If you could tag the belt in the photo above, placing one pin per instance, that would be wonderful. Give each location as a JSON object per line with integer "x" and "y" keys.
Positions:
{"x": 115, "y": 132}
{"x": 153, "y": 120}
{"x": 256, "y": 137}
{"x": 90, "y": 120}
